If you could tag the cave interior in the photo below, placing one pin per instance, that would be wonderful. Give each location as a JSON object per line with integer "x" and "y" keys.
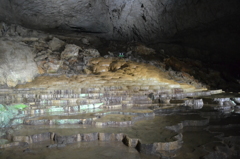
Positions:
{"x": 120, "y": 79}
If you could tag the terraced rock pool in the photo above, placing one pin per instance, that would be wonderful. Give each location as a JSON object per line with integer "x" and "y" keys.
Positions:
{"x": 155, "y": 131}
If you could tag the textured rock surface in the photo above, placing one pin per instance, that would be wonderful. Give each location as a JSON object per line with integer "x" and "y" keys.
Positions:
{"x": 17, "y": 65}
{"x": 194, "y": 103}
{"x": 55, "y": 44}
{"x": 82, "y": 15}
{"x": 159, "y": 135}
{"x": 70, "y": 51}
{"x": 142, "y": 20}
{"x": 199, "y": 29}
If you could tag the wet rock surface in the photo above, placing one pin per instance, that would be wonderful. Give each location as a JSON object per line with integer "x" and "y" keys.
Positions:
{"x": 82, "y": 95}
{"x": 67, "y": 117}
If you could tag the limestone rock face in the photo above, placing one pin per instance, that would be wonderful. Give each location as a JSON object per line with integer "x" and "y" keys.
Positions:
{"x": 55, "y": 44}
{"x": 194, "y": 103}
{"x": 125, "y": 19}
{"x": 90, "y": 53}
{"x": 87, "y": 16}
{"x": 17, "y": 64}
{"x": 70, "y": 51}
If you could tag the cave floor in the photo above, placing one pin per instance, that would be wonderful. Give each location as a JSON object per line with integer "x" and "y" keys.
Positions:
{"x": 118, "y": 122}
{"x": 135, "y": 113}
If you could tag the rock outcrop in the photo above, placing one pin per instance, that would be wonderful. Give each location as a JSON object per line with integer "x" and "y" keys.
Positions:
{"x": 17, "y": 65}
{"x": 26, "y": 53}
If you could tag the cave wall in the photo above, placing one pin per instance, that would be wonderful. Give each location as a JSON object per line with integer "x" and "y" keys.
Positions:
{"x": 126, "y": 19}
{"x": 43, "y": 14}
{"x": 205, "y": 30}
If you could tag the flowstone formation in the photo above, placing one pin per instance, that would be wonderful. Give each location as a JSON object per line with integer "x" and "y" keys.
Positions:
{"x": 78, "y": 98}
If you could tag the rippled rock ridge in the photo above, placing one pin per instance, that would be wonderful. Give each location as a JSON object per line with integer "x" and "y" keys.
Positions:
{"x": 66, "y": 95}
